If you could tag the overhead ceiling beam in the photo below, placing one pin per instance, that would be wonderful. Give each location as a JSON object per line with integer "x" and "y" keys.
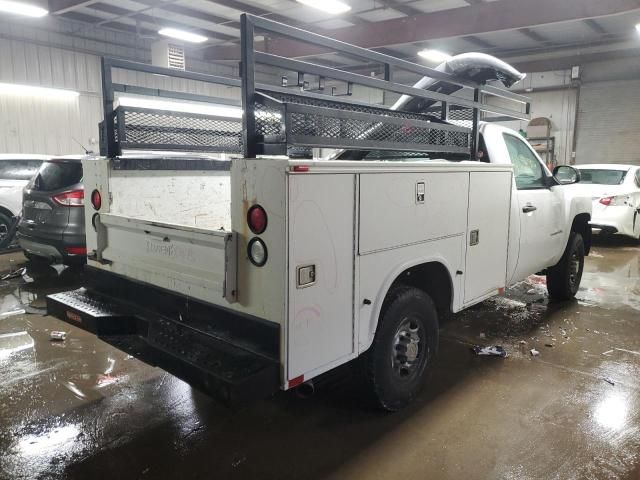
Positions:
{"x": 595, "y": 26}
{"x": 532, "y": 35}
{"x": 251, "y": 8}
{"x": 58, "y": 7}
{"x": 478, "y": 41}
{"x": 401, "y": 7}
{"x": 472, "y": 20}
{"x": 124, "y": 13}
{"x": 88, "y": 19}
{"x": 190, "y": 12}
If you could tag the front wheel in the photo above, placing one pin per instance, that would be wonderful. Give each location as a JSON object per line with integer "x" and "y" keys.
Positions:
{"x": 403, "y": 350}
{"x": 563, "y": 279}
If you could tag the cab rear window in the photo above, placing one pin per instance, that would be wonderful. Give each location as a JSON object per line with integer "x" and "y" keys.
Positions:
{"x": 56, "y": 175}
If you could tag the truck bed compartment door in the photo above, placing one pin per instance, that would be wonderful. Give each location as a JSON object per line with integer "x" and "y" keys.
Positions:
{"x": 321, "y": 239}
{"x": 487, "y": 234}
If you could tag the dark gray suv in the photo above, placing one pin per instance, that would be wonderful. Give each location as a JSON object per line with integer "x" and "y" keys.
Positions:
{"x": 52, "y": 224}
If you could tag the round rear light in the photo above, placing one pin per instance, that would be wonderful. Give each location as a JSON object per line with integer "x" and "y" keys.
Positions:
{"x": 257, "y": 219}
{"x": 257, "y": 252}
{"x": 96, "y": 199}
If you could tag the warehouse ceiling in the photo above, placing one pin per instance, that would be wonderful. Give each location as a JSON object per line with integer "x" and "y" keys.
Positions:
{"x": 522, "y": 31}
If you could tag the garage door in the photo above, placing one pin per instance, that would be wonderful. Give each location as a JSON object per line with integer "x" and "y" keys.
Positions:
{"x": 609, "y": 123}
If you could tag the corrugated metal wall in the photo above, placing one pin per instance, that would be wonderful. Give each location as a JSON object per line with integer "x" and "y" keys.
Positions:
{"x": 609, "y": 122}
{"x": 54, "y": 125}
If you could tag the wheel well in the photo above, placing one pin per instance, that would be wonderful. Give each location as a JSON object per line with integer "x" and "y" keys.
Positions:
{"x": 581, "y": 225}
{"x": 432, "y": 278}
{"x": 6, "y": 211}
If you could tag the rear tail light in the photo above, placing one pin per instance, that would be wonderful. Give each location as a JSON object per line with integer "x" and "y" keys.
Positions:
{"x": 257, "y": 252}
{"x": 96, "y": 199}
{"x": 257, "y": 219}
{"x": 617, "y": 201}
{"x": 76, "y": 250}
{"x": 74, "y": 198}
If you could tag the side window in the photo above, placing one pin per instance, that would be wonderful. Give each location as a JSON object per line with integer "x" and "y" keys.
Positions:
{"x": 18, "y": 169}
{"x": 526, "y": 167}
{"x": 638, "y": 178}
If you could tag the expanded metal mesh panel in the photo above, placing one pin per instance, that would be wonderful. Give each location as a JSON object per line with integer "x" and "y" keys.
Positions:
{"x": 336, "y": 124}
{"x": 462, "y": 117}
{"x": 335, "y": 130}
{"x": 156, "y": 129}
{"x": 268, "y": 120}
{"x": 353, "y": 107}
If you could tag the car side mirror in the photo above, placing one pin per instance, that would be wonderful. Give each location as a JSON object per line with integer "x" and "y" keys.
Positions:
{"x": 566, "y": 175}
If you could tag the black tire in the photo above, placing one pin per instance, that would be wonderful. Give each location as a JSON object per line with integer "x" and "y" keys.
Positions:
{"x": 392, "y": 379}
{"x": 563, "y": 279}
{"x": 8, "y": 227}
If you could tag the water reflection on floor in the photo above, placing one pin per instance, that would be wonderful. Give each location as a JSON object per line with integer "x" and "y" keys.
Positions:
{"x": 82, "y": 409}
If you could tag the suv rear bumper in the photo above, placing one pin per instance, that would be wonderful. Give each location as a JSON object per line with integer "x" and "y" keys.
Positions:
{"x": 50, "y": 249}
{"x": 38, "y": 248}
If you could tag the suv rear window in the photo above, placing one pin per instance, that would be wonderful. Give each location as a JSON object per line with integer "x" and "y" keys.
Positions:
{"x": 18, "y": 169}
{"x": 55, "y": 175}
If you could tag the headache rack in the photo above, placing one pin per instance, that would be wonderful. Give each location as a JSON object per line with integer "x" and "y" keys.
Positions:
{"x": 283, "y": 119}
{"x": 279, "y": 121}
{"x": 137, "y": 128}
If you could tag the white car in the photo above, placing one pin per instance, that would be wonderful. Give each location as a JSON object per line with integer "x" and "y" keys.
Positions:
{"x": 15, "y": 172}
{"x": 615, "y": 191}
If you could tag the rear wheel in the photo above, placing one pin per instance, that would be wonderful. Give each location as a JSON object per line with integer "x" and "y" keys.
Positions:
{"x": 7, "y": 230}
{"x": 563, "y": 279}
{"x": 403, "y": 349}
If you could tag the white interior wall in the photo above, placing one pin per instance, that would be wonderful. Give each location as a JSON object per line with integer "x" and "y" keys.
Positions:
{"x": 557, "y": 102}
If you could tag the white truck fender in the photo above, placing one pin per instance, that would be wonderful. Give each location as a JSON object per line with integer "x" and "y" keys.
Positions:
{"x": 369, "y": 324}
{"x": 574, "y": 207}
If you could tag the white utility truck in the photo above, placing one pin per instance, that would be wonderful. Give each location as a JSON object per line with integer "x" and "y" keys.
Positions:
{"x": 259, "y": 273}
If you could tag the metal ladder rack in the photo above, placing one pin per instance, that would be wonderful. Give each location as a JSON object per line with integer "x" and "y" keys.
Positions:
{"x": 135, "y": 128}
{"x": 278, "y": 119}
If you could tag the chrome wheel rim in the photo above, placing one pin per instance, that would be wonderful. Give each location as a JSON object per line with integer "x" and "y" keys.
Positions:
{"x": 574, "y": 269}
{"x": 407, "y": 351}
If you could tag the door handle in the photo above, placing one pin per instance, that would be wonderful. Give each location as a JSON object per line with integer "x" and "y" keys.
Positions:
{"x": 529, "y": 208}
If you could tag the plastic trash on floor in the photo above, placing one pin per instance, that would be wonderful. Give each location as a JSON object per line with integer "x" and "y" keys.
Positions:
{"x": 492, "y": 351}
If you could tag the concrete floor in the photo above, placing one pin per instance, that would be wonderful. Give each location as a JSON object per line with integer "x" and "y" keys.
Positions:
{"x": 81, "y": 409}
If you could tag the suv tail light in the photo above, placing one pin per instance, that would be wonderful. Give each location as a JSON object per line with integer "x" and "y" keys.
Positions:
{"x": 76, "y": 250}
{"x": 73, "y": 198}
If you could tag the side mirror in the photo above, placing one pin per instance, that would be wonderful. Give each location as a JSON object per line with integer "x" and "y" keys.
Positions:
{"x": 566, "y": 175}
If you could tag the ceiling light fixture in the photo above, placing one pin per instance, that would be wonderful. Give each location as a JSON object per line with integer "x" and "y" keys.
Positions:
{"x": 32, "y": 91}
{"x": 638, "y": 27}
{"x": 178, "y": 106}
{"x": 182, "y": 35}
{"x": 19, "y": 8}
{"x": 434, "y": 55}
{"x": 333, "y": 7}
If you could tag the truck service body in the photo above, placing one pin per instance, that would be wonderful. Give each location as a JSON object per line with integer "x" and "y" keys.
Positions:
{"x": 262, "y": 272}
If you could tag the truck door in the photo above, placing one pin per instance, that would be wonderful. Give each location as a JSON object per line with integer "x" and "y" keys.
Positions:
{"x": 539, "y": 209}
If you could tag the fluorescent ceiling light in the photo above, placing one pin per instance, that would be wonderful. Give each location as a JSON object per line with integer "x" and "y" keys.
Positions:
{"x": 177, "y": 106}
{"x": 434, "y": 55}
{"x": 330, "y": 6}
{"x": 20, "y": 8}
{"x": 182, "y": 35}
{"x": 31, "y": 91}
{"x": 638, "y": 27}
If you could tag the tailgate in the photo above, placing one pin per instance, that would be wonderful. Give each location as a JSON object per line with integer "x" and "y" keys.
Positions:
{"x": 193, "y": 261}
